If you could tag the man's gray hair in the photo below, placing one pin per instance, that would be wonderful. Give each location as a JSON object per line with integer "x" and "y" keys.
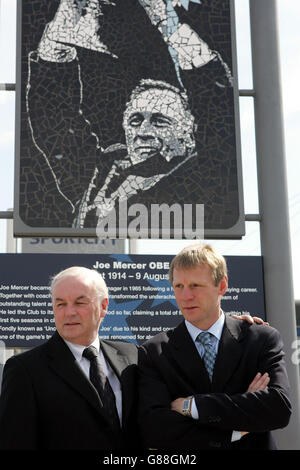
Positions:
{"x": 81, "y": 272}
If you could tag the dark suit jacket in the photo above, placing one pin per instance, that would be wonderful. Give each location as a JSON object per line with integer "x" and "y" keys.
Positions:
{"x": 48, "y": 403}
{"x": 170, "y": 367}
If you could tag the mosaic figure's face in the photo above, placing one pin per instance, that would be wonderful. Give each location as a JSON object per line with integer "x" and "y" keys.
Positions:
{"x": 156, "y": 122}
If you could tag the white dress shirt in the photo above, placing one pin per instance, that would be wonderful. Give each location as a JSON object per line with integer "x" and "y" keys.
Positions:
{"x": 84, "y": 363}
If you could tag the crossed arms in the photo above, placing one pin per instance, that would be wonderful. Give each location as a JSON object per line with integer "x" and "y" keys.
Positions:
{"x": 256, "y": 406}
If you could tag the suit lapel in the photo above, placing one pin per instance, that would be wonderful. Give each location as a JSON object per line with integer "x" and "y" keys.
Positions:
{"x": 117, "y": 360}
{"x": 192, "y": 368}
{"x": 63, "y": 363}
{"x": 229, "y": 353}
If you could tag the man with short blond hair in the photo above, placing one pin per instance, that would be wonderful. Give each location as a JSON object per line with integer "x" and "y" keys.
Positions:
{"x": 197, "y": 254}
{"x": 213, "y": 381}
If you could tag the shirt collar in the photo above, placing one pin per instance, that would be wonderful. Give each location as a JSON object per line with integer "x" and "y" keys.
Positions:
{"x": 77, "y": 349}
{"x": 216, "y": 329}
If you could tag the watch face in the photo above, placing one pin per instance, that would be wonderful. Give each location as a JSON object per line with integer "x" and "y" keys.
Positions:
{"x": 185, "y": 405}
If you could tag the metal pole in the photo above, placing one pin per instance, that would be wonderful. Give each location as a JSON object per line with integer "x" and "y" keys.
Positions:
{"x": 11, "y": 241}
{"x": 273, "y": 198}
{"x": 133, "y": 246}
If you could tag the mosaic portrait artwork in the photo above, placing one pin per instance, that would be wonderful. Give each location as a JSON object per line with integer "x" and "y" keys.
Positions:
{"x": 126, "y": 105}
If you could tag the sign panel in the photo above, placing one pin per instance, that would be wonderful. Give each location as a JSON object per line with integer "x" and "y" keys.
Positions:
{"x": 141, "y": 303}
{"x": 72, "y": 245}
{"x": 127, "y": 120}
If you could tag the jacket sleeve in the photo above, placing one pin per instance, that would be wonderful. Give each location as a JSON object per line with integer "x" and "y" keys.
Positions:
{"x": 60, "y": 147}
{"x": 253, "y": 411}
{"x": 163, "y": 428}
{"x": 18, "y": 410}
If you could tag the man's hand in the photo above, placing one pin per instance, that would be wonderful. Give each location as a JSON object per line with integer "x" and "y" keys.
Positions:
{"x": 74, "y": 24}
{"x": 260, "y": 382}
{"x": 176, "y": 405}
{"x": 251, "y": 319}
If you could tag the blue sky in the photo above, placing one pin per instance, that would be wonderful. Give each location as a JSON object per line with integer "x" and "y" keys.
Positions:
{"x": 289, "y": 40}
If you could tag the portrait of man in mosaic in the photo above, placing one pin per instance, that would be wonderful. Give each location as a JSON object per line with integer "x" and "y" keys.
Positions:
{"x": 126, "y": 99}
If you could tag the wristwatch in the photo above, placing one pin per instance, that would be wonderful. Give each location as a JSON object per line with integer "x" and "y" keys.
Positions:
{"x": 187, "y": 406}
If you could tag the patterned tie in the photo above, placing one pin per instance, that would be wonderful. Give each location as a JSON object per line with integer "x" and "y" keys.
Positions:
{"x": 209, "y": 357}
{"x": 102, "y": 385}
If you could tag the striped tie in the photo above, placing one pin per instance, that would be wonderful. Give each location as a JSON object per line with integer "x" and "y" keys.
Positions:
{"x": 209, "y": 357}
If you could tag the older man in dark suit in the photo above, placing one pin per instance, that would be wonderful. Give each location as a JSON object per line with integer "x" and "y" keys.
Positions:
{"x": 213, "y": 381}
{"x": 56, "y": 396}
